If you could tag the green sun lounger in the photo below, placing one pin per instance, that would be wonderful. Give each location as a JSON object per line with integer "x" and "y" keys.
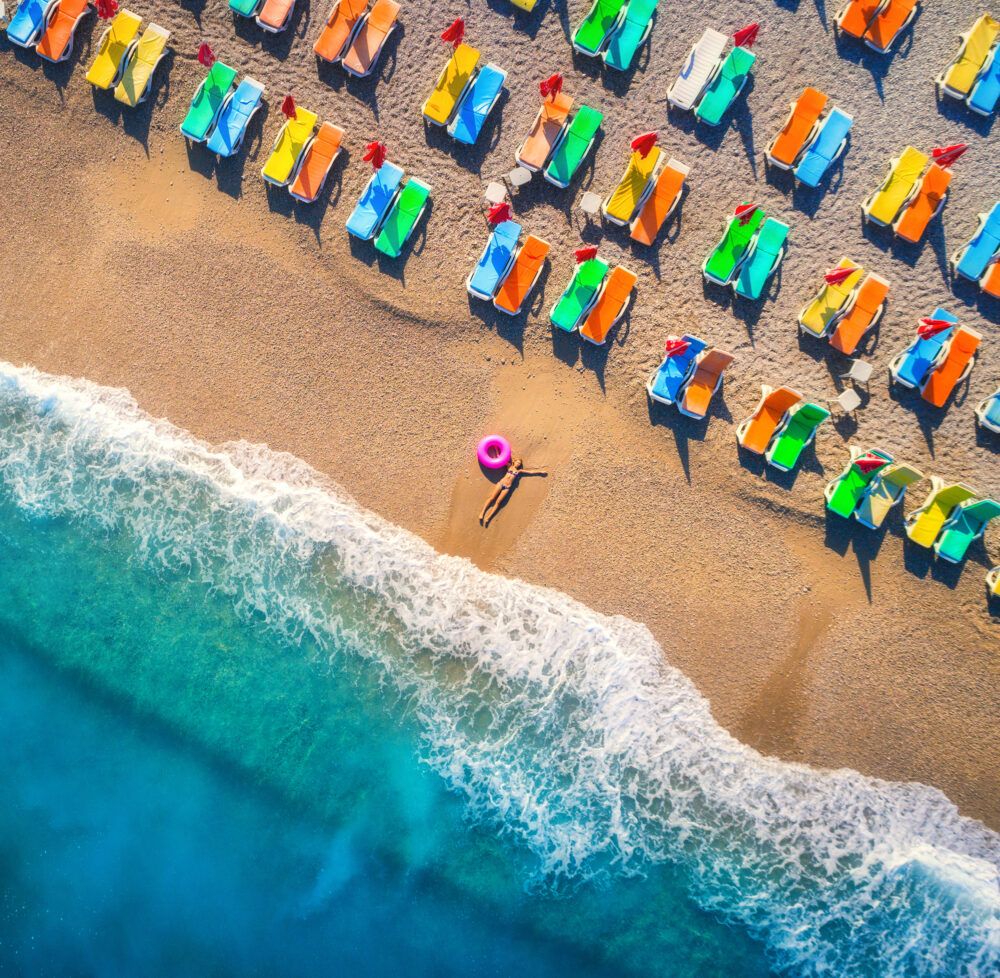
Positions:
{"x": 800, "y": 429}
{"x": 630, "y": 34}
{"x": 726, "y": 85}
{"x": 207, "y": 102}
{"x": 245, "y": 8}
{"x": 722, "y": 263}
{"x": 579, "y": 296}
{"x": 766, "y": 254}
{"x": 845, "y": 492}
{"x": 966, "y": 524}
{"x": 573, "y": 146}
{"x": 593, "y": 33}
{"x": 403, "y": 217}
{"x": 887, "y": 488}
{"x": 924, "y": 523}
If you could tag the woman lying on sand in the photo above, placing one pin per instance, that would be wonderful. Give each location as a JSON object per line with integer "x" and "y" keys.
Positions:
{"x": 504, "y": 488}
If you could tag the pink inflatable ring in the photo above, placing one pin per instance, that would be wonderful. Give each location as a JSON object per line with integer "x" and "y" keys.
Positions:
{"x": 493, "y": 452}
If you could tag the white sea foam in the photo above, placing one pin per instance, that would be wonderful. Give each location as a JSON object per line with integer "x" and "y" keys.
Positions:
{"x": 566, "y": 729}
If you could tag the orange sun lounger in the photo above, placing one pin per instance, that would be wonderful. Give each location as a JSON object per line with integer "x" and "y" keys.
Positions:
{"x": 323, "y": 150}
{"x": 862, "y": 314}
{"x": 547, "y": 127}
{"x": 888, "y": 24}
{"x": 371, "y": 36}
{"x": 755, "y": 433}
{"x": 275, "y": 15}
{"x": 522, "y": 276}
{"x": 706, "y": 381}
{"x": 804, "y": 116}
{"x": 954, "y": 368}
{"x": 928, "y": 201}
{"x": 661, "y": 203}
{"x": 610, "y": 307}
{"x": 340, "y": 26}
{"x": 857, "y": 15}
{"x": 990, "y": 282}
{"x": 57, "y": 41}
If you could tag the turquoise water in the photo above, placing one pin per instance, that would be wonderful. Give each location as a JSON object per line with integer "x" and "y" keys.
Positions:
{"x": 253, "y": 729}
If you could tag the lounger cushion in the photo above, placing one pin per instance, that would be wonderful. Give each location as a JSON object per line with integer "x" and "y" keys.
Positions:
{"x": 626, "y": 39}
{"x": 725, "y": 86}
{"x": 703, "y": 58}
{"x": 767, "y": 417}
{"x": 276, "y": 13}
{"x": 207, "y": 101}
{"x": 625, "y": 197}
{"x": 451, "y": 83}
{"x": 139, "y": 71}
{"x": 808, "y": 108}
{"x": 671, "y": 373}
{"x": 923, "y": 527}
{"x": 857, "y": 16}
{"x": 515, "y": 287}
{"x": 367, "y": 44}
{"x": 375, "y": 201}
{"x": 961, "y": 75}
{"x": 897, "y": 185}
{"x": 318, "y": 160}
{"x": 888, "y": 22}
{"x": 609, "y": 306}
{"x": 27, "y": 22}
{"x": 816, "y": 317}
{"x": 290, "y": 143}
{"x": 475, "y": 106}
{"x": 583, "y": 286}
{"x": 797, "y": 433}
{"x": 967, "y": 522}
{"x": 851, "y": 485}
{"x": 986, "y": 93}
{"x": 758, "y": 268}
{"x": 942, "y": 379}
{"x": 860, "y": 317}
{"x": 234, "y": 117}
{"x": 824, "y": 148}
{"x": 885, "y": 491}
{"x": 121, "y": 34}
{"x": 402, "y": 218}
{"x": 59, "y": 33}
{"x": 495, "y": 258}
{"x": 245, "y": 8}
{"x": 591, "y": 34}
{"x": 654, "y": 212}
{"x": 914, "y": 218}
{"x": 545, "y": 131}
{"x": 982, "y": 247}
{"x": 730, "y": 250}
{"x": 992, "y": 412}
{"x": 339, "y": 25}
{"x": 704, "y": 383}
{"x": 573, "y": 148}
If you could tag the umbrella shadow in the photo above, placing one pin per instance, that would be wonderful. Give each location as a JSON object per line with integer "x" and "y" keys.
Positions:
{"x": 565, "y": 346}
{"x": 508, "y": 328}
{"x": 843, "y": 535}
{"x": 857, "y": 52}
{"x": 314, "y": 212}
{"x": 684, "y": 429}
{"x": 364, "y": 89}
{"x": 229, "y": 169}
{"x": 195, "y": 8}
{"x": 414, "y": 245}
{"x": 472, "y": 157}
{"x": 594, "y": 357}
{"x": 959, "y": 113}
{"x": 527, "y": 22}
{"x": 929, "y": 418}
{"x": 989, "y": 307}
{"x": 965, "y": 290}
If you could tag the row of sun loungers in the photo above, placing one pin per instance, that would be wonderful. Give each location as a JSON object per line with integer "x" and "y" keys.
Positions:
{"x": 846, "y": 307}
{"x": 126, "y": 61}
{"x": 388, "y": 210}
{"x": 614, "y": 30}
{"x": 749, "y": 253}
{"x": 557, "y": 145}
{"x": 221, "y": 110}
{"x": 689, "y": 375}
{"x": 879, "y": 23}
{"x": 781, "y": 427}
{"x": 709, "y": 83}
{"x": 302, "y": 156}
{"x": 48, "y": 26}
{"x": 979, "y": 260}
{"x": 974, "y": 76}
{"x": 940, "y": 358}
{"x": 595, "y": 299}
{"x": 905, "y": 201}
{"x": 464, "y": 95}
{"x": 354, "y": 36}
{"x": 809, "y": 142}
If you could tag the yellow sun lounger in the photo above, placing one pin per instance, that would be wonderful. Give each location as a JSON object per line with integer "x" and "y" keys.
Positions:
{"x": 959, "y": 77}
{"x": 289, "y": 147}
{"x": 633, "y": 188}
{"x": 113, "y": 50}
{"x": 138, "y": 75}
{"x": 924, "y": 524}
{"x": 817, "y": 317}
{"x": 904, "y": 171}
{"x": 451, "y": 85}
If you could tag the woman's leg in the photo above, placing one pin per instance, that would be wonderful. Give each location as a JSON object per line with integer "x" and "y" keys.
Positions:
{"x": 500, "y": 497}
{"x": 489, "y": 502}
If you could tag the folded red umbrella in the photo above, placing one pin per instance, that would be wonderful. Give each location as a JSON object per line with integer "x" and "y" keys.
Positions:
{"x": 106, "y": 9}
{"x": 499, "y": 213}
{"x": 643, "y": 145}
{"x": 454, "y": 34}
{"x": 837, "y": 275}
{"x": 585, "y": 254}
{"x": 869, "y": 463}
{"x": 746, "y": 37}
{"x": 944, "y": 156}
{"x": 551, "y": 86}
{"x": 288, "y": 107}
{"x": 675, "y": 346}
{"x": 205, "y": 56}
{"x": 745, "y": 213}
{"x": 931, "y": 327}
{"x": 375, "y": 154}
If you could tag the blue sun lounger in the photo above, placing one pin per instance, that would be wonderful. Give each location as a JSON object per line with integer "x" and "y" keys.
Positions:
{"x": 908, "y": 368}
{"x": 984, "y": 96}
{"x": 27, "y": 24}
{"x": 373, "y": 206}
{"x": 972, "y": 260}
{"x": 237, "y": 111}
{"x": 670, "y": 375}
{"x": 497, "y": 257}
{"x": 829, "y": 143}
{"x": 477, "y": 104}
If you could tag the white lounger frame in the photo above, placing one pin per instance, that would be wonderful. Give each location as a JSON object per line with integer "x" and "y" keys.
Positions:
{"x": 981, "y": 409}
{"x": 708, "y": 75}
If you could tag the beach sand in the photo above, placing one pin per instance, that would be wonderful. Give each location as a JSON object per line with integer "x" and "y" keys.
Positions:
{"x": 134, "y": 261}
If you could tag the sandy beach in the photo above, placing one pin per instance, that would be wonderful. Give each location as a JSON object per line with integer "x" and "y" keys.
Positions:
{"x": 138, "y": 262}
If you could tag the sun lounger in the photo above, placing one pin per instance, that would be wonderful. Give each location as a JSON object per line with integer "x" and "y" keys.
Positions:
{"x": 825, "y": 149}
{"x": 990, "y": 282}
{"x": 666, "y": 381}
{"x": 245, "y": 8}
{"x": 206, "y": 104}
{"x": 275, "y": 15}
{"x": 495, "y": 262}
{"x": 923, "y": 524}
{"x": 137, "y": 79}
{"x": 29, "y": 21}
{"x": 817, "y": 317}
{"x": 595, "y": 31}
{"x": 857, "y": 15}
{"x": 342, "y": 24}
{"x": 797, "y": 130}
{"x": 534, "y": 152}
{"x": 455, "y": 78}
{"x": 573, "y": 146}
{"x": 724, "y": 261}
{"x": 861, "y": 314}
{"x": 986, "y": 92}
{"x": 959, "y": 77}
{"x": 724, "y": 88}
{"x": 923, "y": 205}
{"x": 798, "y": 431}
{"x": 957, "y": 363}
{"x": 316, "y": 163}
{"x": 697, "y": 391}
{"x": 885, "y": 490}
{"x": 374, "y": 203}
{"x": 579, "y": 296}
{"x": 611, "y": 305}
{"x": 374, "y": 31}
{"x": 755, "y": 433}
{"x": 237, "y": 111}
{"x": 988, "y": 412}
{"x": 970, "y": 262}
{"x": 763, "y": 258}
{"x": 910, "y": 367}
{"x": 405, "y": 213}
{"x": 477, "y": 104}
{"x": 966, "y": 524}
{"x": 633, "y": 188}
{"x": 701, "y": 62}
{"x": 904, "y": 171}
{"x": 56, "y": 44}
{"x": 292, "y": 139}
{"x": 889, "y": 23}
{"x": 630, "y": 34}
{"x": 844, "y": 493}
{"x": 523, "y": 274}
{"x": 113, "y": 50}
{"x": 661, "y": 203}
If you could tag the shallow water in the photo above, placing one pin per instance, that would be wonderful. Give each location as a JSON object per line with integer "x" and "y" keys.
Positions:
{"x": 258, "y": 730}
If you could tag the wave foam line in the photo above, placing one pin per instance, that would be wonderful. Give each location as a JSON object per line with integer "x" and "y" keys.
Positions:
{"x": 562, "y": 728}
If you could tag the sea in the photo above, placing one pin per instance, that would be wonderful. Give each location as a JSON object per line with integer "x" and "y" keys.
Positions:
{"x": 250, "y": 728}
